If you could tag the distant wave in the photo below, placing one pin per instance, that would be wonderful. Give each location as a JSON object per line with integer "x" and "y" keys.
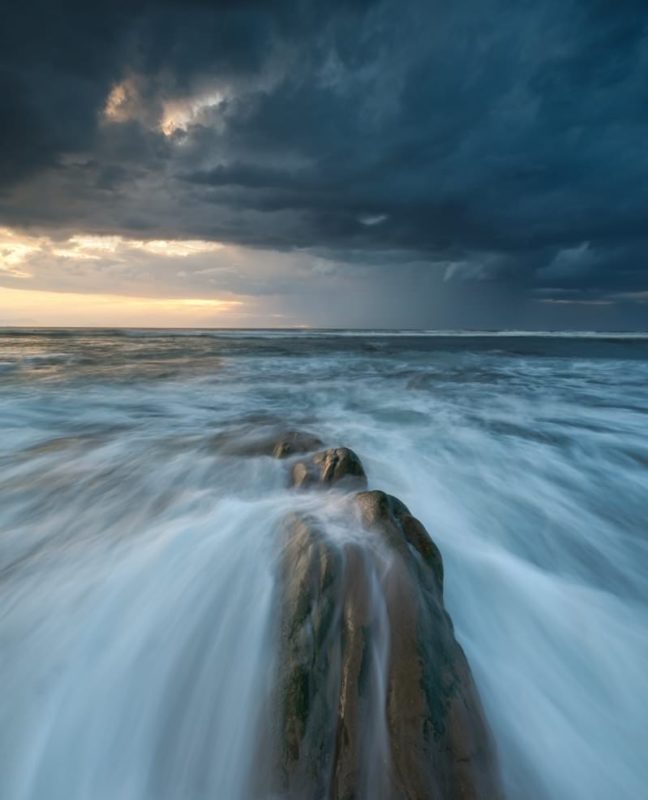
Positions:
{"x": 320, "y": 332}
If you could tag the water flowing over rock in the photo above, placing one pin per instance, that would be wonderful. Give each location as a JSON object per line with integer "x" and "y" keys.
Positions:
{"x": 276, "y": 443}
{"x": 375, "y": 698}
{"x": 292, "y": 442}
{"x": 327, "y": 467}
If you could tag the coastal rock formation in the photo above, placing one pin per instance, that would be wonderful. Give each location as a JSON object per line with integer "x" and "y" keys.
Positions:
{"x": 273, "y": 442}
{"x": 440, "y": 744}
{"x": 290, "y": 443}
{"x": 328, "y": 467}
{"x": 375, "y": 698}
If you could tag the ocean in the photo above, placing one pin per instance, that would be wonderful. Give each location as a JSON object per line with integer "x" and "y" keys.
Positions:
{"x": 138, "y": 551}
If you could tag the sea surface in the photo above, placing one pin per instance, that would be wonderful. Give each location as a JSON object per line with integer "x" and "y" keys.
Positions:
{"x": 138, "y": 554}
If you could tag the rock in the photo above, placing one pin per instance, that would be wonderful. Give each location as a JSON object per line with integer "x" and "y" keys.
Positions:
{"x": 311, "y": 577}
{"x": 276, "y": 443}
{"x": 292, "y": 442}
{"x": 440, "y": 743}
{"x": 328, "y": 467}
{"x": 383, "y": 513}
{"x": 375, "y": 698}
{"x": 328, "y": 620}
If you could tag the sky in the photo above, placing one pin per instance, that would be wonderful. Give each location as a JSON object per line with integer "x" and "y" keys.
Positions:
{"x": 325, "y": 163}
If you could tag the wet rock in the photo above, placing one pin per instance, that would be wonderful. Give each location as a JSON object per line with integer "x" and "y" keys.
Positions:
{"x": 440, "y": 743}
{"x": 310, "y": 630}
{"x": 336, "y": 466}
{"x": 375, "y": 698}
{"x": 275, "y": 443}
{"x": 326, "y": 711}
{"x": 291, "y": 443}
{"x": 389, "y": 517}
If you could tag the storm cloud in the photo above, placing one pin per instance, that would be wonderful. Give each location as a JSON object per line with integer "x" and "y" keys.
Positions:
{"x": 468, "y": 163}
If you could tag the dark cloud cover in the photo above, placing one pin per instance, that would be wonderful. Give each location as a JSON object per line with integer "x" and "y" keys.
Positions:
{"x": 491, "y": 150}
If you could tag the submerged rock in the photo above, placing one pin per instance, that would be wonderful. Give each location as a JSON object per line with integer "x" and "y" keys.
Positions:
{"x": 328, "y": 467}
{"x": 275, "y": 443}
{"x": 290, "y": 443}
{"x": 375, "y": 697}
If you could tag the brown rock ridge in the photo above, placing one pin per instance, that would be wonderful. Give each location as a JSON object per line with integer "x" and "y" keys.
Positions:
{"x": 338, "y": 465}
{"x": 375, "y": 699}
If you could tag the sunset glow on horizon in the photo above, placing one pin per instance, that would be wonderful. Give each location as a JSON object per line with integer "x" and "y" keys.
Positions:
{"x": 38, "y": 308}
{"x": 27, "y": 258}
